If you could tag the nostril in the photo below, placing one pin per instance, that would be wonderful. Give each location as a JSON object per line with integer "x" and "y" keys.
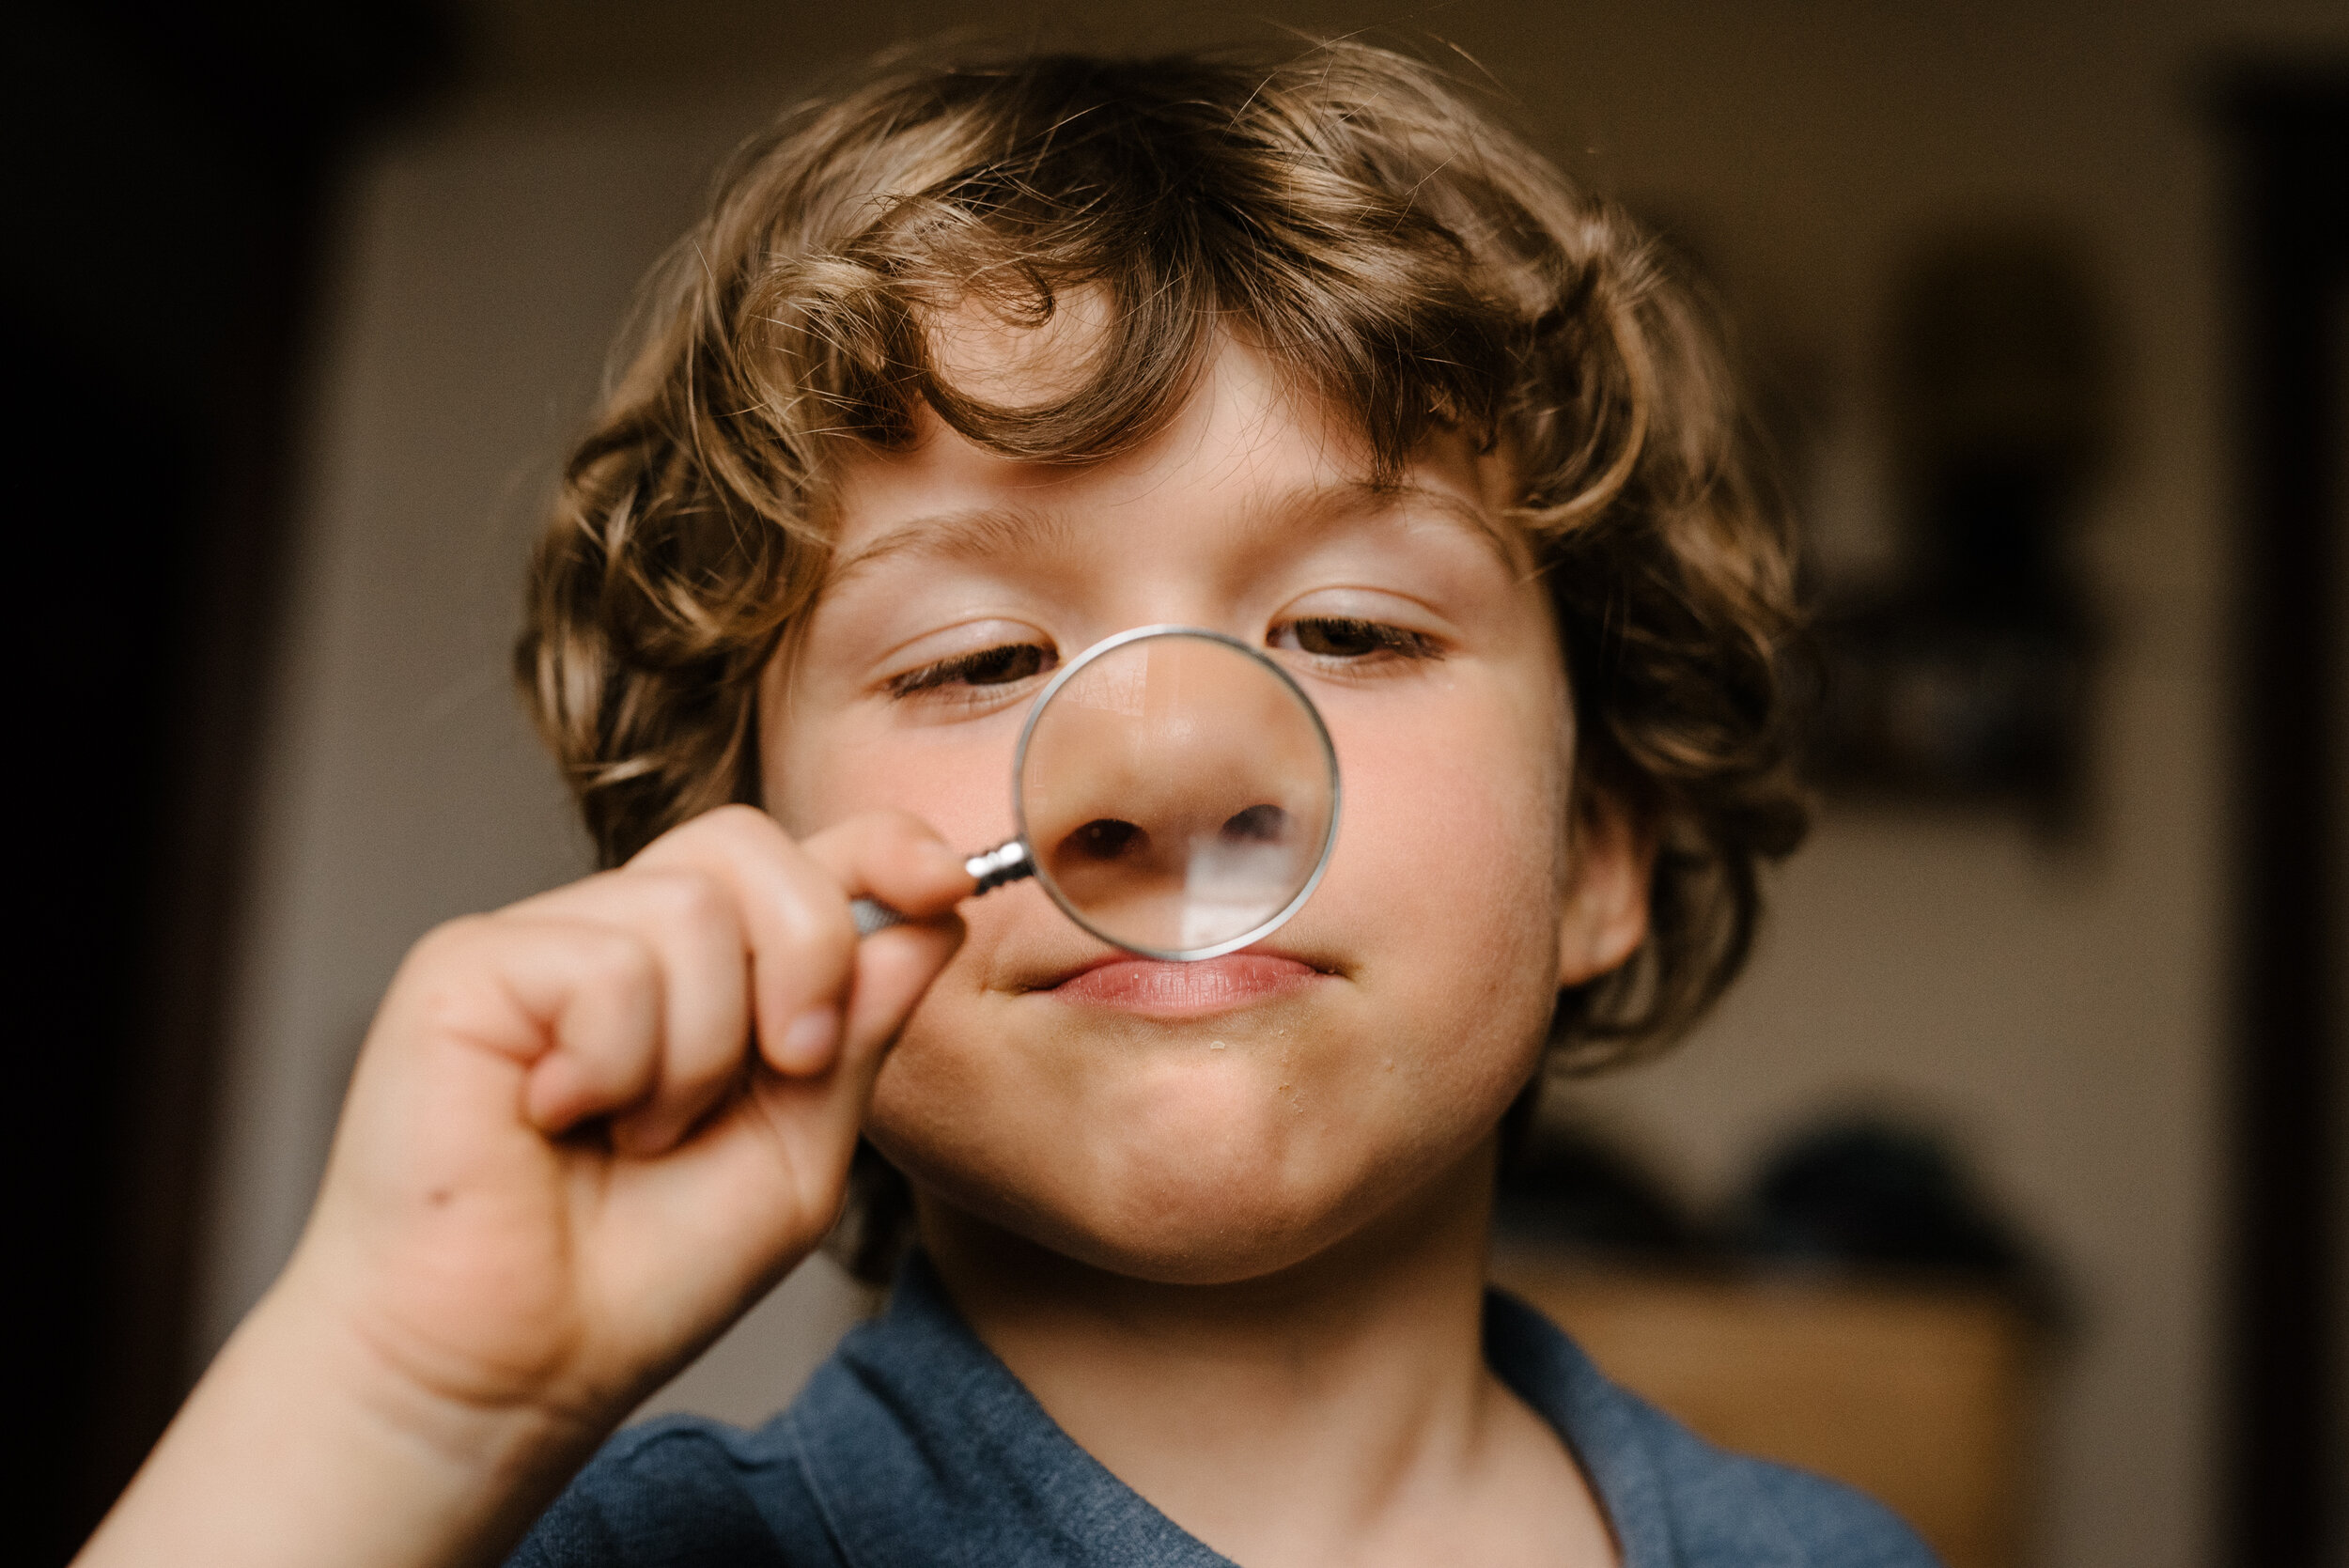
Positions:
{"x": 1258, "y": 824}
{"x": 1105, "y": 838}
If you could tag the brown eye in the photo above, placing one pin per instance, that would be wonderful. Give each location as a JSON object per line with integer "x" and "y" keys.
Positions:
{"x": 1341, "y": 637}
{"x": 997, "y": 666}
{"x": 1001, "y": 666}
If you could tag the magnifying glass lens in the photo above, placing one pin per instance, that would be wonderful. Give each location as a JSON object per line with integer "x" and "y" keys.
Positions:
{"x": 1178, "y": 794}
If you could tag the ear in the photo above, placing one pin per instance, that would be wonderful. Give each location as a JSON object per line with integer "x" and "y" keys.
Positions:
{"x": 1610, "y": 860}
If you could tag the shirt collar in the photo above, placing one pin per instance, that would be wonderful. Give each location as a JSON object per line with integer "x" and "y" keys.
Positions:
{"x": 921, "y": 1446}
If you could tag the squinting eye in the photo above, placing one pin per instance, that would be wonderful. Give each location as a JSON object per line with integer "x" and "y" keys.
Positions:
{"x": 996, "y": 666}
{"x": 1341, "y": 637}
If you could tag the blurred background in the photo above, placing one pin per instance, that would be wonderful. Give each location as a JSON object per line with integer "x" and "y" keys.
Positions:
{"x": 2046, "y": 304}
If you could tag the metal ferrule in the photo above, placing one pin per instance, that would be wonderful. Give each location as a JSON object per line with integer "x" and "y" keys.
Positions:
{"x": 1005, "y": 862}
{"x": 993, "y": 868}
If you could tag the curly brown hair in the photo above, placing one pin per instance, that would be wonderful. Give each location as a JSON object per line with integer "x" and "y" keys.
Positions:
{"x": 1352, "y": 214}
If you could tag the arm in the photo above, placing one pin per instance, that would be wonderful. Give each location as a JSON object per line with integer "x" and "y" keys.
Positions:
{"x": 586, "y": 1133}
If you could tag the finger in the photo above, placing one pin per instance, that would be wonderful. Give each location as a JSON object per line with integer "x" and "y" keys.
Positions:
{"x": 795, "y": 905}
{"x": 692, "y": 923}
{"x": 898, "y": 860}
{"x": 794, "y": 917}
{"x": 606, "y": 1027}
{"x": 894, "y": 968}
{"x": 765, "y": 1179}
{"x": 576, "y": 1005}
{"x": 895, "y": 858}
{"x": 766, "y": 1172}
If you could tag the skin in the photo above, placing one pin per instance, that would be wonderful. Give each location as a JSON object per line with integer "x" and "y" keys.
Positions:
{"x": 589, "y": 1130}
{"x": 1276, "y": 1245}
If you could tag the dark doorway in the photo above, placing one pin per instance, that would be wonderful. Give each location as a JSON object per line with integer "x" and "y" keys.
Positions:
{"x": 2283, "y": 1450}
{"x": 169, "y": 166}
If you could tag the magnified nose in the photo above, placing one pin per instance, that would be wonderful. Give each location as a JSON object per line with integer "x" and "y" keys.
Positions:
{"x": 1176, "y": 794}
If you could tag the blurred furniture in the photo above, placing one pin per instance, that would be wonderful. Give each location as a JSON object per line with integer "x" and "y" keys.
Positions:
{"x": 1918, "y": 1395}
{"x": 1966, "y": 679}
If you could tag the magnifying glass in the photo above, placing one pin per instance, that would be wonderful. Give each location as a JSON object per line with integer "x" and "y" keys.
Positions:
{"x": 1176, "y": 794}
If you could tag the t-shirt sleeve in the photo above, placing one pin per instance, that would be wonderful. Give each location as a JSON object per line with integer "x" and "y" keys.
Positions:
{"x": 1838, "y": 1527}
{"x": 1749, "y": 1510}
{"x": 1733, "y": 1510}
{"x": 663, "y": 1496}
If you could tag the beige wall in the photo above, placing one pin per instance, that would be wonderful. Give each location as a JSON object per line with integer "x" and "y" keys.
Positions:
{"x": 2058, "y": 1011}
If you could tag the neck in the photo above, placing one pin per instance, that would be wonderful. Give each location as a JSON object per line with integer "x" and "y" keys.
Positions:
{"x": 1279, "y": 1418}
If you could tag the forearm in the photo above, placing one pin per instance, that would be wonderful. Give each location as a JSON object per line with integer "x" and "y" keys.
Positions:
{"x": 480, "y": 1295}
{"x": 297, "y": 1448}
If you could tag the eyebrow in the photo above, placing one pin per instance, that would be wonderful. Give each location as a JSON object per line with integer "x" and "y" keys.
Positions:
{"x": 1337, "y": 503}
{"x": 978, "y": 532}
{"x": 963, "y": 535}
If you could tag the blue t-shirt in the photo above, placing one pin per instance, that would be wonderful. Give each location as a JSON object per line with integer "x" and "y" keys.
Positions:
{"x": 915, "y": 1445}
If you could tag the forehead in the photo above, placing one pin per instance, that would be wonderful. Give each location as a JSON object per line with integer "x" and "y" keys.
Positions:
{"x": 1250, "y": 459}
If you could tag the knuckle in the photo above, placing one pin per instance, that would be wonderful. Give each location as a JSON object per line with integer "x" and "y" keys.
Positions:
{"x": 448, "y": 944}
{"x": 820, "y": 927}
{"x": 905, "y": 844}
{"x": 692, "y": 900}
{"x": 742, "y": 823}
{"x": 888, "y": 827}
{"x": 911, "y": 826}
{"x": 735, "y": 826}
{"x": 620, "y": 958}
{"x": 448, "y": 983}
{"x": 831, "y": 933}
{"x": 609, "y": 966}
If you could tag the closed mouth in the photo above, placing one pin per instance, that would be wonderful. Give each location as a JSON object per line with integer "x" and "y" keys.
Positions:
{"x": 1160, "y": 988}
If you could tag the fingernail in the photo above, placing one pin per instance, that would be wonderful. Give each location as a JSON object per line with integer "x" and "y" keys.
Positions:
{"x": 808, "y": 1040}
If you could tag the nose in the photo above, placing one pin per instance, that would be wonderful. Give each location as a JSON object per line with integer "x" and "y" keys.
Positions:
{"x": 1169, "y": 803}
{"x": 1169, "y": 843}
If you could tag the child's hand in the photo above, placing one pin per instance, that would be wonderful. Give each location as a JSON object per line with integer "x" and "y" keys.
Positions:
{"x": 588, "y": 1130}
{"x": 586, "y": 1133}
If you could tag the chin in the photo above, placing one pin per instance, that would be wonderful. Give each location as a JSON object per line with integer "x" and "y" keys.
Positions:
{"x": 1201, "y": 1151}
{"x": 1205, "y": 1182}
{"x": 1212, "y": 1228}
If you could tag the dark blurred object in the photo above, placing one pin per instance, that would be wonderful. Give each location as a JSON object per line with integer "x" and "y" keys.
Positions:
{"x": 1861, "y": 1194}
{"x": 1871, "y": 1195}
{"x": 1565, "y": 1187}
{"x": 2283, "y": 1446}
{"x": 1968, "y": 678}
{"x": 1862, "y": 1311}
{"x": 168, "y": 168}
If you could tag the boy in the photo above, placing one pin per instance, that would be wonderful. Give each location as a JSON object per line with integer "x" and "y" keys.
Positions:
{"x": 969, "y": 367}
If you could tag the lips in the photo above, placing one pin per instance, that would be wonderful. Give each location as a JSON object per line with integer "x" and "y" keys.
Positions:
{"x": 1186, "y": 990}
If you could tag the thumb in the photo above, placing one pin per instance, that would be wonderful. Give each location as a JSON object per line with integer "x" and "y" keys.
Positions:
{"x": 900, "y": 862}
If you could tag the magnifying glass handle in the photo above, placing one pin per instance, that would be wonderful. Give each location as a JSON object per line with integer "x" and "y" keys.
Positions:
{"x": 992, "y": 868}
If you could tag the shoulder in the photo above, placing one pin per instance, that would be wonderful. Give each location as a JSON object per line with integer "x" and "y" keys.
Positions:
{"x": 1675, "y": 1499}
{"x": 1727, "y": 1509}
{"x": 682, "y": 1492}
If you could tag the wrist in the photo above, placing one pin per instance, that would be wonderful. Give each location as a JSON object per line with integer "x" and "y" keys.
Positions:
{"x": 306, "y": 1442}
{"x": 317, "y": 1331}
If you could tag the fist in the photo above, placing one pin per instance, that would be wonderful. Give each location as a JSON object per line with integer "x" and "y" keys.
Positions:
{"x": 589, "y": 1130}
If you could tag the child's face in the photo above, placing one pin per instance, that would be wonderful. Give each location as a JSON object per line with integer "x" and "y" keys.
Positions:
{"x": 1213, "y": 1120}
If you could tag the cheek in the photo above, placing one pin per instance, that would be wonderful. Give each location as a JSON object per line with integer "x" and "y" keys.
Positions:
{"x": 1455, "y": 811}
{"x": 955, "y": 777}
{"x": 1449, "y": 858}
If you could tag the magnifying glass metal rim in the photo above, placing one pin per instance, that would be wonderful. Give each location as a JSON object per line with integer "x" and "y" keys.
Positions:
{"x": 1051, "y": 888}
